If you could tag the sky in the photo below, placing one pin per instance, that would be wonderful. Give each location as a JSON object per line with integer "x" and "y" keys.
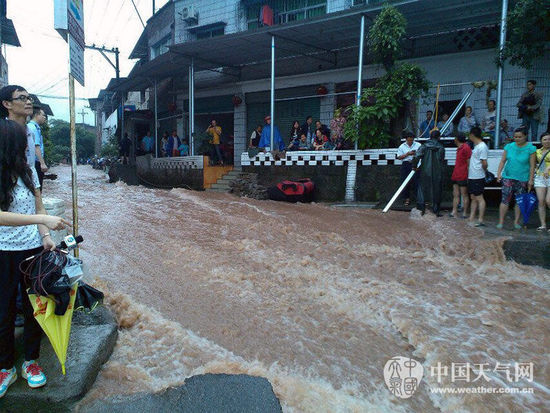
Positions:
{"x": 40, "y": 65}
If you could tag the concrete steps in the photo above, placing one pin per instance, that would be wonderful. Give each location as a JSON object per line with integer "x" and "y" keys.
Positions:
{"x": 224, "y": 183}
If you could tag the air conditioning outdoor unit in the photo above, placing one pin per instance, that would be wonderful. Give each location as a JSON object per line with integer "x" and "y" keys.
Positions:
{"x": 189, "y": 14}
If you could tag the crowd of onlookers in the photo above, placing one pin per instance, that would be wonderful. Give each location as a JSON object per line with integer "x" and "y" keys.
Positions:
{"x": 529, "y": 111}
{"x": 310, "y": 136}
{"x": 522, "y": 168}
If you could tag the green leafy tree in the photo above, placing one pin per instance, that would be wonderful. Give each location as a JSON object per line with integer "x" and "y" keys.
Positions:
{"x": 370, "y": 123}
{"x": 60, "y": 138}
{"x": 110, "y": 149}
{"x": 528, "y": 33}
{"x": 385, "y": 36}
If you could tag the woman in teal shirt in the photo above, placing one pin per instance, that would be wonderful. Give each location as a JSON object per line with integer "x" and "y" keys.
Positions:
{"x": 518, "y": 162}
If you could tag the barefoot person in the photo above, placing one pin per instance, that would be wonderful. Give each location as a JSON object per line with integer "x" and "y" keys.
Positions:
{"x": 23, "y": 232}
{"x": 542, "y": 179}
{"x": 460, "y": 176}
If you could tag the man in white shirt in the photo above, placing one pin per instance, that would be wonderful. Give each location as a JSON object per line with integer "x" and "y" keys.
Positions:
{"x": 405, "y": 153}
{"x": 476, "y": 176}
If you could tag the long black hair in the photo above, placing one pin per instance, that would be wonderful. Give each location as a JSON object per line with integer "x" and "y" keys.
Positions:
{"x": 13, "y": 160}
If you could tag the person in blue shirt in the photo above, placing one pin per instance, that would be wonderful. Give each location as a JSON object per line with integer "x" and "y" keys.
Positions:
{"x": 426, "y": 126}
{"x": 147, "y": 143}
{"x": 184, "y": 148}
{"x": 38, "y": 119}
{"x": 265, "y": 140}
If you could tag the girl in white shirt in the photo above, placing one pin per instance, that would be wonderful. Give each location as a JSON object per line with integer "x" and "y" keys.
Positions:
{"x": 24, "y": 232}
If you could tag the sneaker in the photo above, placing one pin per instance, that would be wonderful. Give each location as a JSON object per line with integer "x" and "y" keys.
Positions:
{"x": 479, "y": 224}
{"x": 33, "y": 373}
{"x": 7, "y": 378}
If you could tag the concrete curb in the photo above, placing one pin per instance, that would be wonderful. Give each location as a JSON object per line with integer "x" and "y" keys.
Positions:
{"x": 220, "y": 393}
{"x": 93, "y": 337}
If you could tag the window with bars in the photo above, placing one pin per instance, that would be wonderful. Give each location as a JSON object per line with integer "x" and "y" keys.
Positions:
{"x": 287, "y": 11}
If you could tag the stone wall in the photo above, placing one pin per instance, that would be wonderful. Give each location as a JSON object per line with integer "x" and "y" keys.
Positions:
{"x": 375, "y": 183}
{"x": 168, "y": 177}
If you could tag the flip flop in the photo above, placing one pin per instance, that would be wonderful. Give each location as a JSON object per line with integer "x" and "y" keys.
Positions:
{"x": 516, "y": 226}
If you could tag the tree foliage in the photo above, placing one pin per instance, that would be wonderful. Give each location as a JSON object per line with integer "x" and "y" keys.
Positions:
{"x": 59, "y": 142}
{"x": 528, "y": 32}
{"x": 370, "y": 123}
{"x": 385, "y": 35}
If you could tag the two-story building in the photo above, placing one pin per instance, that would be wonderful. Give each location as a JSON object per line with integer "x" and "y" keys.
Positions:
{"x": 219, "y": 52}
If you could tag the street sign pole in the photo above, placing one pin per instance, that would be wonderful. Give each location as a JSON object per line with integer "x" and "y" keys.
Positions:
{"x": 69, "y": 22}
{"x": 73, "y": 157}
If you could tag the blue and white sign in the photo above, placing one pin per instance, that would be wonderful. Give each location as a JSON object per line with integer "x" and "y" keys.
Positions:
{"x": 69, "y": 22}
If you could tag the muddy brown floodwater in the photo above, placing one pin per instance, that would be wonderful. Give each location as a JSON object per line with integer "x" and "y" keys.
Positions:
{"x": 312, "y": 297}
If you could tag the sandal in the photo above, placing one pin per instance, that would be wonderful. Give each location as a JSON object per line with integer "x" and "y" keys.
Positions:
{"x": 499, "y": 226}
{"x": 541, "y": 228}
{"x": 451, "y": 215}
{"x": 517, "y": 226}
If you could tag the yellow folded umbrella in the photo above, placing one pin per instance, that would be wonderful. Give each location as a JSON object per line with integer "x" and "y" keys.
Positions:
{"x": 57, "y": 328}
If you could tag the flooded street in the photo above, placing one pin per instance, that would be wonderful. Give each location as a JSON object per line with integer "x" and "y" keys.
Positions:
{"x": 314, "y": 298}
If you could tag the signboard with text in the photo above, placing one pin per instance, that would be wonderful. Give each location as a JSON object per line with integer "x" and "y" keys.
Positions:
{"x": 69, "y": 22}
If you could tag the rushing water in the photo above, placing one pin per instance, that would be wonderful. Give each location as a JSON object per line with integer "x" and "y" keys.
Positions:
{"x": 312, "y": 297}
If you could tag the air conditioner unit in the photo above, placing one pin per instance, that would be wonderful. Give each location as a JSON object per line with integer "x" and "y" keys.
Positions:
{"x": 189, "y": 14}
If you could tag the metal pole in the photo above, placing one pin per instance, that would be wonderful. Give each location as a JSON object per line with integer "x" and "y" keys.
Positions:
{"x": 73, "y": 157}
{"x": 154, "y": 8}
{"x": 117, "y": 63}
{"x": 272, "y": 102}
{"x": 156, "y": 128}
{"x": 192, "y": 104}
{"x": 500, "y": 70}
{"x": 360, "y": 68}
{"x": 122, "y": 119}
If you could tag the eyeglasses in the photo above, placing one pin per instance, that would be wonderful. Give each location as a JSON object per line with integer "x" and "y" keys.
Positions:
{"x": 23, "y": 98}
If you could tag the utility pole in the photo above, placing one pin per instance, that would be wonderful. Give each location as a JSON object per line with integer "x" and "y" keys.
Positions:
{"x": 116, "y": 66}
{"x": 83, "y": 114}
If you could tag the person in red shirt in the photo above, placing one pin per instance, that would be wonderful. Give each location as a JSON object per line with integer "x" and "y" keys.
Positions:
{"x": 460, "y": 176}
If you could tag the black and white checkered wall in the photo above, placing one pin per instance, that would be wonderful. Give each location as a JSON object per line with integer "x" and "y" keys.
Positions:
{"x": 334, "y": 158}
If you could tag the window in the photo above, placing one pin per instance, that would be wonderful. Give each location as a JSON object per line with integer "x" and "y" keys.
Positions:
{"x": 160, "y": 47}
{"x": 287, "y": 11}
{"x": 208, "y": 30}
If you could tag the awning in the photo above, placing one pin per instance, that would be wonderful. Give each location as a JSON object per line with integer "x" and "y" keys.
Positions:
{"x": 322, "y": 43}
{"x": 9, "y": 35}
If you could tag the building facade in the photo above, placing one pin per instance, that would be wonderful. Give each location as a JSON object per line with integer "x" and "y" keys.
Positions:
{"x": 311, "y": 79}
